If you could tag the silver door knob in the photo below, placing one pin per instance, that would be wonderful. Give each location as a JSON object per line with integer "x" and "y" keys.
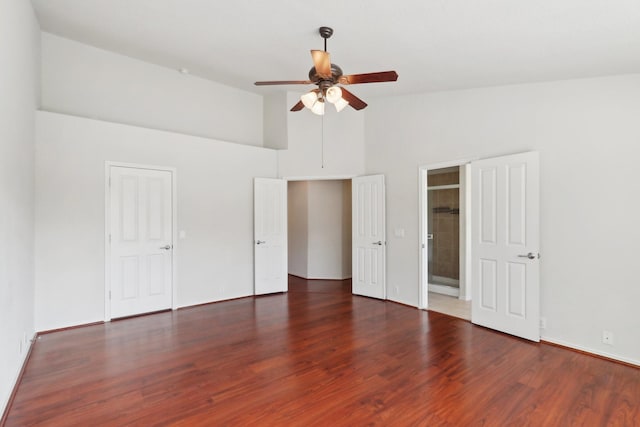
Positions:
{"x": 379, "y": 243}
{"x": 260, "y": 242}
{"x": 530, "y": 255}
{"x": 165, "y": 247}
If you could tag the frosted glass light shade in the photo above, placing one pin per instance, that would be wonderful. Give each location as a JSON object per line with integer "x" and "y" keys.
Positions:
{"x": 318, "y": 108}
{"x": 309, "y": 98}
{"x": 340, "y": 104}
{"x": 334, "y": 93}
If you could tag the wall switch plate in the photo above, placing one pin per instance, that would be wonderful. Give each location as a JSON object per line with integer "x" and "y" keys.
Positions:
{"x": 607, "y": 337}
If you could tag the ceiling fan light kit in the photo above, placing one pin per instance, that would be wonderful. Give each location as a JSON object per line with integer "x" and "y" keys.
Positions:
{"x": 309, "y": 98}
{"x": 340, "y": 104}
{"x": 327, "y": 76}
{"x": 334, "y": 93}
{"x": 318, "y": 107}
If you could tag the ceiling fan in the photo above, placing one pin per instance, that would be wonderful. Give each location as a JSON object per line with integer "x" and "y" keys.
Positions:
{"x": 327, "y": 77}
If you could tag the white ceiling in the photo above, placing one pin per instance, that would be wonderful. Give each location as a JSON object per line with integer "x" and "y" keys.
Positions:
{"x": 434, "y": 45}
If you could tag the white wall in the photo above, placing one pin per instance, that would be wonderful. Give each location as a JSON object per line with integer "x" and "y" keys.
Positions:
{"x": 85, "y": 81}
{"x": 297, "y": 233}
{"x": 275, "y": 127}
{"x": 215, "y": 209}
{"x": 343, "y": 143}
{"x": 19, "y": 97}
{"x": 320, "y": 229}
{"x": 588, "y": 135}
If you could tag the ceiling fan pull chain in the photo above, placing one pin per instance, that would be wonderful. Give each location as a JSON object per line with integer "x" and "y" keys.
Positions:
{"x": 322, "y": 134}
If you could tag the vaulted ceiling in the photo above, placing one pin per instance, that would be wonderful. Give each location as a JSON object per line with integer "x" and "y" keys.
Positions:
{"x": 434, "y": 45}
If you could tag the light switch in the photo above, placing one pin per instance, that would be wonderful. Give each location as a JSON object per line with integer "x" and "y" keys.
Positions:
{"x": 399, "y": 232}
{"x": 183, "y": 234}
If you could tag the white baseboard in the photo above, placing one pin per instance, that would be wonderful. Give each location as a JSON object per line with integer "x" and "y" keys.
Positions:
{"x": 445, "y": 280}
{"x": 17, "y": 376}
{"x": 444, "y": 290}
{"x": 628, "y": 360}
{"x": 401, "y": 301}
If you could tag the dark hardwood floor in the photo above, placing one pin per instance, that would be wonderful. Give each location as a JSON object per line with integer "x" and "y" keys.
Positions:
{"x": 314, "y": 356}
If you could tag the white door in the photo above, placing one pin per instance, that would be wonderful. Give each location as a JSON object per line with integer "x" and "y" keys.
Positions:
{"x": 505, "y": 244}
{"x": 368, "y": 236}
{"x": 140, "y": 230}
{"x": 270, "y": 235}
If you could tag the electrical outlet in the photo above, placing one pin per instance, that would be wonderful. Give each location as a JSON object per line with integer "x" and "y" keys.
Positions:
{"x": 543, "y": 323}
{"x": 607, "y": 337}
{"x": 397, "y": 289}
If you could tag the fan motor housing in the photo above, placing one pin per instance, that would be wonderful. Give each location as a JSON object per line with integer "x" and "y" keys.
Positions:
{"x": 336, "y": 73}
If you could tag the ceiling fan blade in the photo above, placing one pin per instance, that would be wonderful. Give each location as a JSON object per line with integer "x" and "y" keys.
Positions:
{"x": 382, "y": 76}
{"x": 299, "y": 106}
{"x": 354, "y": 101}
{"x": 322, "y": 63}
{"x": 284, "y": 82}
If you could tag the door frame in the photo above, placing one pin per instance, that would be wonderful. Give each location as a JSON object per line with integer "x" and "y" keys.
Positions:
{"x": 317, "y": 178}
{"x": 107, "y": 229}
{"x": 465, "y": 232}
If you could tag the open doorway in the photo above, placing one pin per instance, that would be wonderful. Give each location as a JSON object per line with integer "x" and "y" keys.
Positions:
{"x": 319, "y": 235}
{"x": 443, "y": 231}
{"x": 444, "y": 239}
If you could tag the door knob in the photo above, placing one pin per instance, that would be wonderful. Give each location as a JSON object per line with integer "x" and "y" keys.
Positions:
{"x": 259, "y": 242}
{"x": 379, "y": 243}
{"x": 165, "y": 247}
{"x": 530, "y": 255}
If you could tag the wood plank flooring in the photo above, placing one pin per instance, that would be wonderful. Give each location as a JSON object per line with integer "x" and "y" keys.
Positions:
{"x": 314, "y": 356}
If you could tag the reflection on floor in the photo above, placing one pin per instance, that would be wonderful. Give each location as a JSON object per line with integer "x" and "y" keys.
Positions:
{"x": 450, "y": 305}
